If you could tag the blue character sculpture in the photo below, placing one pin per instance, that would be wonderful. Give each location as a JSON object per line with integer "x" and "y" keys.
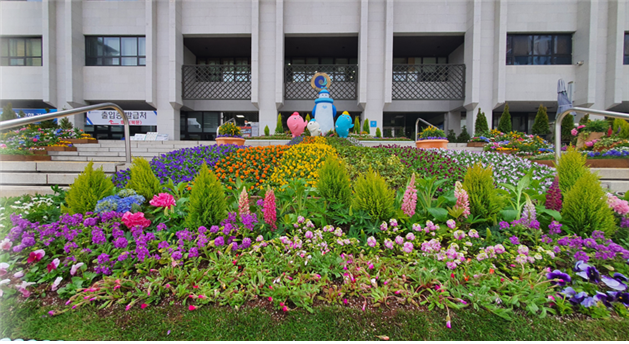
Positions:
{"x": 324, "y": 110}
{"x": 344, "y": 124}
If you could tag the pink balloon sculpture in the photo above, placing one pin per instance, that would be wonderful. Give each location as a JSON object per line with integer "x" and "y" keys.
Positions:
{"x": 296, "y": 124}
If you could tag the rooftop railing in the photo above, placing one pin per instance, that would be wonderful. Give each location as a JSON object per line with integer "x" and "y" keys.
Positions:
{"x": 428, "y": 82}
{"x": 216, "y": 82}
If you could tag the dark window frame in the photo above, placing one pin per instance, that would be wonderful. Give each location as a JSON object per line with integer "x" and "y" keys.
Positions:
{"x": 531, "y": 58}
{"x": 98, "y": 60}
{"x": 336, "y": 74}
{"x": 5, "y": 46}
{"x": 626, "y": 54}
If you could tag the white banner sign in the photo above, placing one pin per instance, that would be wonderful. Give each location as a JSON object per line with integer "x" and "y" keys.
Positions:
{"x": 111, "y": 117}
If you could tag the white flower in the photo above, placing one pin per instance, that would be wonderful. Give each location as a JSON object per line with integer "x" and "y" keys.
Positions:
{"x": 55, "y": 285}
{"x": 19, "y": 274}
{"x": 5, "y": 281}
{"x": 74, "y": 268}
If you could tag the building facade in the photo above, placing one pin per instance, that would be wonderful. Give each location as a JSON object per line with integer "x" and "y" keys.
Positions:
{"x": 198, "y": 63}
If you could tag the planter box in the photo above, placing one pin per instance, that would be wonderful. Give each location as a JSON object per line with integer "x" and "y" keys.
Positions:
{"x": 476, "y": 144}
{"x": 594, "y": 163}
{"x": 60, "y": 149}
{"x": 424, "y": 144}
{"x": 40, "y": 152}
{"x": 37, "y": 157}
{"x": 230, "y": 141}
{"x": 80, "y": 141}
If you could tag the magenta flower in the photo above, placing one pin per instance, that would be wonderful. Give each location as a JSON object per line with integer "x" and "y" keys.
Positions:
{"x": 408, "y": 247}
{"x": 36, "y": 256}
{"x": 409, "y": 202}
{"x": 163, "y": 200}
{"x": 269, "y": 210}
{"x": 371, "y": 241}
{"x": 553, "y": 196}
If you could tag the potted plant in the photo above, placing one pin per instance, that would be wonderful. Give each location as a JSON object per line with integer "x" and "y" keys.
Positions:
{"x": 229, "y": 133}
{"x": 432, "y": 137}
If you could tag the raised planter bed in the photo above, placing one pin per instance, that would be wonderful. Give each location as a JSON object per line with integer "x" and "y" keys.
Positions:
{"x": 230, "y": 141}
{"x": 595, "y": 163}
{"x": 81, "y": 141}
{"x": 476, "y": 144}
{"x": 36, "y": 157}
{"x": 59, "y": 149}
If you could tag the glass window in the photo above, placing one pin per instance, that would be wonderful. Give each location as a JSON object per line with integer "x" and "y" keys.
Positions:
{"x": 626, "y": 49}
{"x": 21, "y": 51}
{"x": 538, "y": 49}
{"x": 115, "y": 51}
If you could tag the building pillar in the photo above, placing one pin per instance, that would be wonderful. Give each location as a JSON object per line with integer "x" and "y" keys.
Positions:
{"x": 452, "y": 121}
{"x": 270, "y": 36}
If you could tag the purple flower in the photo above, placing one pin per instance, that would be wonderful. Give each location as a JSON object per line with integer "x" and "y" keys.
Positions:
{"x": 121, "y": 242}
{"x": 581, "y": 256}
{"x": 615, "y": 283}
{"x": 514, "y": 240}
{"x": 193, "y": 252}
{"x": 91, "y": 221}
{"x": 176, "y": 255}
{"x": 219, "y": 241}
{"x": 587, "y": 272}
{"x": 554, "y": 228}
{"x": 161, "y": 227}
{"x": 103, "y": 258}
{"x": 504, "y": 224}
{"x": 163, "y": 244}
{"x": 123, "y": 256}
{"x": 214, "y": 229}
{"x": 559, "y": 278}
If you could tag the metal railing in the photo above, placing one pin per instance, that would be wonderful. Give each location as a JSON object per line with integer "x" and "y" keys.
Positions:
{"x": 428, "y": 82}
{"x": 216, "y": 82}
{"x": 581, "y": 110}
{"x": 28, "y": 120}
{"x": 344, "y": 79}
{"x": 417, "y": 128}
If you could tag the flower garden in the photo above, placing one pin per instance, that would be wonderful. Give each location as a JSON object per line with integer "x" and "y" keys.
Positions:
{"x": 324, "y": 222}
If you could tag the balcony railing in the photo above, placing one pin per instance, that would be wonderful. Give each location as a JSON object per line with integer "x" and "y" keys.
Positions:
{"x": 216, "y": 82}
{"x": 344, "y": 79}
{"x": 428, "y": 82}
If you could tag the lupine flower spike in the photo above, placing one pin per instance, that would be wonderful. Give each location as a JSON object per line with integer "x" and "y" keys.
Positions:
{"x": 409, "y": 202}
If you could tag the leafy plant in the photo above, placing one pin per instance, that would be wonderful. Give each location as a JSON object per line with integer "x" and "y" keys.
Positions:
{"x": 464, "y": 136}
{"x": 598, "y": 126}
{"x": 266, "y": 130}
{"x": 7, "y": 113}
{"x": 359, "y": 160}
{"x": 621, "y": 128}
{"x": 65, "y": 123}
{"x": 372, "y": 195}
{"x": 540, "y": 125}
{"x": 356, "y": 128}
{"x": 426, "y": 191}
{"x": 585, "y": 207}
{"x": 571, "y": 167}
{"x": 366, "y": 126}
{"x": 567, "y": 124}
{"x": 432, "y": 133}
{"x": 378, "y": 133}
{"x": 207, "y": 205}
{"x": 229, "y": 129}
{"x": 485, "y": 202}
{"x": 89, "y": 187}
{"x": 279, "y": 129}
{"x": 334, "y": 183}
{"x": 143, "y": 180}
{"x": 480, "y": 125}
{"x": 504, "y": 125}
{"x": 451, "y": 136}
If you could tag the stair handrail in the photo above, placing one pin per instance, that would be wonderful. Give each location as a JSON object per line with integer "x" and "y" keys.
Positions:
{"x": 581, "y": 110}
{"x": 28, "y": 120}
{"x": 417, "y": 128}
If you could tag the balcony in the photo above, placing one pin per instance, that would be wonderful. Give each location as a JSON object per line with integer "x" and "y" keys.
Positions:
{"x": 344, "y": 79}
{"x": 428, "y": 82}
{"x": 216, "y": 82}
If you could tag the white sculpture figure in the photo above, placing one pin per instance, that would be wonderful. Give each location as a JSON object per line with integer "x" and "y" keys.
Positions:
{"x": 313, "y": 127}
{"x": 324, "y": 111}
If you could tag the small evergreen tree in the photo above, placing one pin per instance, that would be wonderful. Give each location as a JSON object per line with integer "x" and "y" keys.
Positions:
{"x": 504, "y": 125}
{"x": 567, "y": 124}
{"x": 207, "y": 206}
{"x": 49, "y": 123}
{"x": 485, "y": 201}
{"x": 88, "y": 188}
{"x": 334, "y": 182}
{"x": 8, "y": 113}
{"x": 366, "y": 126}
{"x": 540, "y": 125}
{"x": 621, "y": 128}
{"x": 279, "y": 129}
{"x": 143, "y": 180}
{"x": 306, "y": 131}
{"x": 584, "y": 120}
{"x": 356, "y": 128}
{"x": 378, "y": 133}
{"x": 571, "y": 167}
{"x": 451, "y": 137}
{"x": 480, "y": 126}
{"x": 65, "y": 123}
{"x": 372, "y": 194}
{"x": 267, "y": 132}
{"x": 464, "y": 136}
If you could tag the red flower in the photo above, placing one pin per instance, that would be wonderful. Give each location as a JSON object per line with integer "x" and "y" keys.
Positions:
{"x": 491, "y": 271}
{"x": 36, "y": 256}
{"x": 131, "y": 220}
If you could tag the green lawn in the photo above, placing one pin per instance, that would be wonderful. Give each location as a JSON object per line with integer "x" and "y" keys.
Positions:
{"x": 326, "y": 323}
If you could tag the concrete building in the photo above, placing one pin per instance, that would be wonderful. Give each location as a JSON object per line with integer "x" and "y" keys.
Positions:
{"x": 197, "y": 63}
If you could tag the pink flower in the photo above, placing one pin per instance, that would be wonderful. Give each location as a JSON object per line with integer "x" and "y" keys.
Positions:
{"x": 451, "y": 224}
{"x": 574, "y": 132}
{"x": 285, "y": 309}
{"x": 163, "y": 200}
{"x": 409, "y": 202}
{"x": 55, "y": 285}
{"x": 408, "y": 247}
{"x": 51, "y": 313}
{"x": 74, "y": 268}
{"x": 126, "y": 308}
{"x": 270, "y": 299}
{"x": 581, "y": 127}
{"x": 6, "y": 244}
{"x": 144, "y": 305}
{"x": 269, "y": 210}
{"x": 243, "y": 203}
{"x": 4, "y": 267}
{"x": 448, "y": 325}
{"x": 345, "y": 301}
{"x": 589, "y": 143}
{"x": 618, "y": 205}
{"x": 192, "y": 307}
{"x": 36, "y": 256}
{"x": 53, "y": 265}
{"x": 2, "y": 145}
{"x": 462, "y": 201}
{"x": 34, "y": 139}
{"x": 371, "y": 241}
{"x": 131, "y": 220}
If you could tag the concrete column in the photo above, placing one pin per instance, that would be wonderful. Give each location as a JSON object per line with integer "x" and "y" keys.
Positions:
{"x": 175, "y": 53}
{"x": 388, "y": 53}
{"x": 363, "y": 44}
{"x": 472, "y": 61}
{"x": 617, "y": 12}
{"x": 453, "y": 121}
{"x": 375, "y": 63}
{"x": 151, "y": 52}
{"x": 586, "y": 50}
{"x": 168, "y": 61}
{"x": 279, "y": 53}
{"x": 49, "y": 45}
{"x": 269, "y": 75}
{"x": 500, "y": 48}
{"x": 255, "y": 51}
{"x": 74, "y": 48}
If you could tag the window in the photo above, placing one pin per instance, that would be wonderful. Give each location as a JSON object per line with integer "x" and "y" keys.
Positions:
{"x": 339, "y": 73}
{"x": 115, "y": 51}
{"x": 539, "y": 49}
{"x": 416, "y": 69}
{"x": 20, "y": 51}
{"x": 224, "y": 69}
{"x": 626, "y": 48}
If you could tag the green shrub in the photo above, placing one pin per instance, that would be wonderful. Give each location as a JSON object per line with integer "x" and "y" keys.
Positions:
{"x": 540, "y": 125}
{"x": 356, "y": 128}
{"x": 279, "y": 129}
{"x": 485, "y": 202}
{"x": 480, "y": 125}
{"x": 571, "y": 167}
{"x": 143, "y": 180}
{"x": 623, "y": 125}
{"x": 88, "y": 188}
{"x": 597, "y": 126}
{"x": 359, "y": 160}
{"x": 334, "y": 183}
{"x": 366, "y": 126}
{"x": 207, "y": 205}
{"x": 567, "y": 124}
{"x": 378, "y": 132}
{"x": 229, "y": 129}
{"x": 372, "y": 195}
{"x": 306, "y": 131}
{"x": 7, "y": 113}
{"x": 585, "y": 207}
{"x": 464, "y": 136}
{"x": 584, "y": 120}
{"x": 451, "y": 137}
{"x": 65, "y": 123}
{"x": 267, "y": 132}
{"x": 504, "y": 125}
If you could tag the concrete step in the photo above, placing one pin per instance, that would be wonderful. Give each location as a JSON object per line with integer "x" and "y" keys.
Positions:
{"x": 42, "y": 178}
{"x": 53, "y": 166}
{"x": 88, "y": 158}
{"x": 612, "y": 173}
{"x": 19, "y": 190}
{"x": 616, "y": 185}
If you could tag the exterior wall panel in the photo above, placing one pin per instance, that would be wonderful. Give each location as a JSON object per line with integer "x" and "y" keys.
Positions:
{"x": 535, "y": 83}
{"x": 430, "y": 16}
{"x": 216, "y": 17}
{"x": 321, "y": 17}
{"x": 21, "y": 83}
{"x": 116, "y": 83}
{"x": 114, "y": 18}
{"x": 19, "y": 18}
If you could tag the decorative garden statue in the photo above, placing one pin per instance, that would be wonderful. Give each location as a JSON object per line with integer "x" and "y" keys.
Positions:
{"x": 313, "y": 127}
{"x": 343, "y": 124}
{"x": 324, "y": 110}
{"x": 296, "y": 124}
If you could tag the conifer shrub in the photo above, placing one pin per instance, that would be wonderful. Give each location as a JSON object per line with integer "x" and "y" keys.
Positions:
{"x": 88, "y": 188}
{"x": 378, "y": 132}
{"x": 504, "y": 125}
{"x": 142, "y": 179}
{"x": 451, "y": 137}
{"x": 334, "y": 183}
{"x": 279, "y": 128}
{"x": 366, "y": 126}
{"x": 7, "y": 113}
{"x": 584, "y": 120}
{"x": 621, "y": 128}
{"x": 372, "y": 194}
{"x": 464, "y": 136}
{"x": 585, "y": 207}
{"x": 267, "y": 132}
{"x": 540, "y": 125}
{"x": 206, "y": 206}
{"x": 485, "y": 202}
{"x": 480, "y": 125}
{"x": 567, "y": 124}
{"x": 571, "y": 167}
{"x": 356, "y": 128}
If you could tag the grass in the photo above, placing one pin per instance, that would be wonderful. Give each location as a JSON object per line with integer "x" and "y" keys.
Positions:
{"x": 29, "y": 321}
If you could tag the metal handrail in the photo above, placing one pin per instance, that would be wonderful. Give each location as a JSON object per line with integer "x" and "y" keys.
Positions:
{"x": 416, "y": 126}
{"x": 582, "y": 110}
{"x": 28, "y": 120}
